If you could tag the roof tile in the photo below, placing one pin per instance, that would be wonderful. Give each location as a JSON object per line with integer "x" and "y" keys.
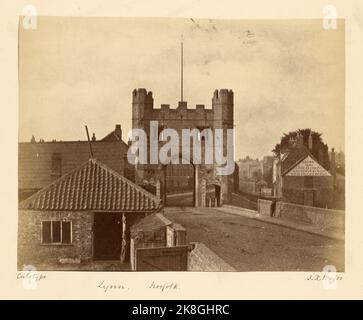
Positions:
{"x": 92, "y": 186}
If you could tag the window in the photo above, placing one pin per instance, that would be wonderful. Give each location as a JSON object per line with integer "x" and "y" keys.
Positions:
{"x": 56, "y": 164}
{"x": 57, "y": 232}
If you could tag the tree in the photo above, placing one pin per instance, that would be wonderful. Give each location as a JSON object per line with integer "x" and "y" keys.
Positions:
{"x": 319, "y": 150}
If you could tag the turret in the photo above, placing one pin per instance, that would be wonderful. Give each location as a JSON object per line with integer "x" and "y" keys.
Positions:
{"x": 142, "y": 104}
{"x": 222, "y": 104}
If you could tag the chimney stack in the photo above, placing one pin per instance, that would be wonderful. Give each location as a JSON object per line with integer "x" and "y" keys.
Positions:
{"x": 291, "y": 141}
{"x": 299, "y": 140}
{"x": 310, "y": 142}
{"x": 118, "y": 132}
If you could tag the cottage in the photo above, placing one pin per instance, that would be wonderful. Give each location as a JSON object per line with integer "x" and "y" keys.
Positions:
{"x": 299, "y": 178}
{"x": 84, "y": 215}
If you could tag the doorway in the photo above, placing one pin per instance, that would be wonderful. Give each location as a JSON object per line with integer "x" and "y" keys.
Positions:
{"x": 179, "y": 182}
{"x": 213, "y": 195}
{"x": 309, "y": 198}
{"x": 107, "y": 236}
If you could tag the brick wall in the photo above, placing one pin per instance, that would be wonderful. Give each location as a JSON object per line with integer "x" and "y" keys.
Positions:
{"x": 32, "y": 251}
{"x": 201, "y": 258}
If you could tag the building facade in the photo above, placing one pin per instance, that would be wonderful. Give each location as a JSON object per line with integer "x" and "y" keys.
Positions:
{"x": 197, "y": 178}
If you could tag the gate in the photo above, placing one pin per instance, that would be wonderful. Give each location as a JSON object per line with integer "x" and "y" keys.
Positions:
{"x": 162, "y": 258}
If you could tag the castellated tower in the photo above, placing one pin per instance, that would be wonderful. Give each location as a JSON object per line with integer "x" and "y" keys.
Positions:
{"x": 222, "y": 105}
{"x": 142, "y": 107}
{"x": 200, "y": 179}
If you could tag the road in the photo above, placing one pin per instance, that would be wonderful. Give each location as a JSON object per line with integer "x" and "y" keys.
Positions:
{"x": 252, "y": 245}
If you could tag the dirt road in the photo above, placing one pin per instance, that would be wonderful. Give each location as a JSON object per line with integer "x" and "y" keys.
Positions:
{"x": 251, "y": 245}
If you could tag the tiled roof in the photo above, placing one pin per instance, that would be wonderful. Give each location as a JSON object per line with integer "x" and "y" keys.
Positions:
{"x": 294, "y": 157}
{"x": 112, "y": 136}
{"x": 92, "y": 187}
{"x": 150, "y": 223}
{"x": 35, "y": 159}
{"x": 115, "y": 135}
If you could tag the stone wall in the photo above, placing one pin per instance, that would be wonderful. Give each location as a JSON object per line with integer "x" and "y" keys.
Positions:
{"x": 264, "y": 207}
{"x": 32, "y": 251}
{"x": 243, "y": 202}
{"x": 320, "y": 217}
{"x": 201, "y": 258}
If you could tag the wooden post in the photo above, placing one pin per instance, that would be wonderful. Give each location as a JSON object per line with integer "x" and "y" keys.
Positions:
{"x": 203, "y": 193}
{"x": 123, "y": 239}
{"x": 90, "y": 144}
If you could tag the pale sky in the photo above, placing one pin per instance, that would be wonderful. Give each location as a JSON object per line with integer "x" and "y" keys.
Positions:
{"x": 285, "y": 74}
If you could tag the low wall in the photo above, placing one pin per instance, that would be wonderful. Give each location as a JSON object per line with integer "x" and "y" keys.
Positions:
{"x": 320, "y": 217}
{"x": 162, "y": 259}
{"x": 201, "y": 258}
{"x": 264, "y": 207}
{"x": 243, "y": 202}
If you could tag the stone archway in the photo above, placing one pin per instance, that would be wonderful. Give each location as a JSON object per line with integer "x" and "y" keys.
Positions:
{"x": 180, "y": 185}
{"x": 213, "y": 195}
{"x": 185, "y": 177}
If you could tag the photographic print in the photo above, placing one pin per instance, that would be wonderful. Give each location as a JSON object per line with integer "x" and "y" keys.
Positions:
{"x": 181, "y": 144}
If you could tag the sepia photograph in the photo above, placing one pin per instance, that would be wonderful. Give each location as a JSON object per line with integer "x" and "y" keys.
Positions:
{"x": 181, "y": 144}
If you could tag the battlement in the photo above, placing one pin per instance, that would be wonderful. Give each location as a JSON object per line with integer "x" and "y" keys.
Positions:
{"x": 223, "y": 96}
{"x": 182, "y": 105}
{"x": 141, "y": 95}
{"x": 165, "y": 107}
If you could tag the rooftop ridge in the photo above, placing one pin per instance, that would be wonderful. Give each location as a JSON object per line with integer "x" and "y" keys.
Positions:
{"x": 141, "y": 195}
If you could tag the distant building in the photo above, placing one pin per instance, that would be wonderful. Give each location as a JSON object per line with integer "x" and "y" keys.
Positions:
{"x": 255, "y": 176}
{"x": 41, "y": 163}
{"x": 299, "y": 178}
{"x": 250, "y": 169}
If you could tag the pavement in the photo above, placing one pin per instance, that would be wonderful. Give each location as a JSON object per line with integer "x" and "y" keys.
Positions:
{"x": 329, "y": 233}
{"x": 251, "y": 243}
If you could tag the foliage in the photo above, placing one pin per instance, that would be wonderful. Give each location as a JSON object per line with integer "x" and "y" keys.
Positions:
{"x": 319, "y": 150}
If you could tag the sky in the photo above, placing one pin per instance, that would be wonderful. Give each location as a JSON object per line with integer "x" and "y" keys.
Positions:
{"x": 285, "y": 75}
